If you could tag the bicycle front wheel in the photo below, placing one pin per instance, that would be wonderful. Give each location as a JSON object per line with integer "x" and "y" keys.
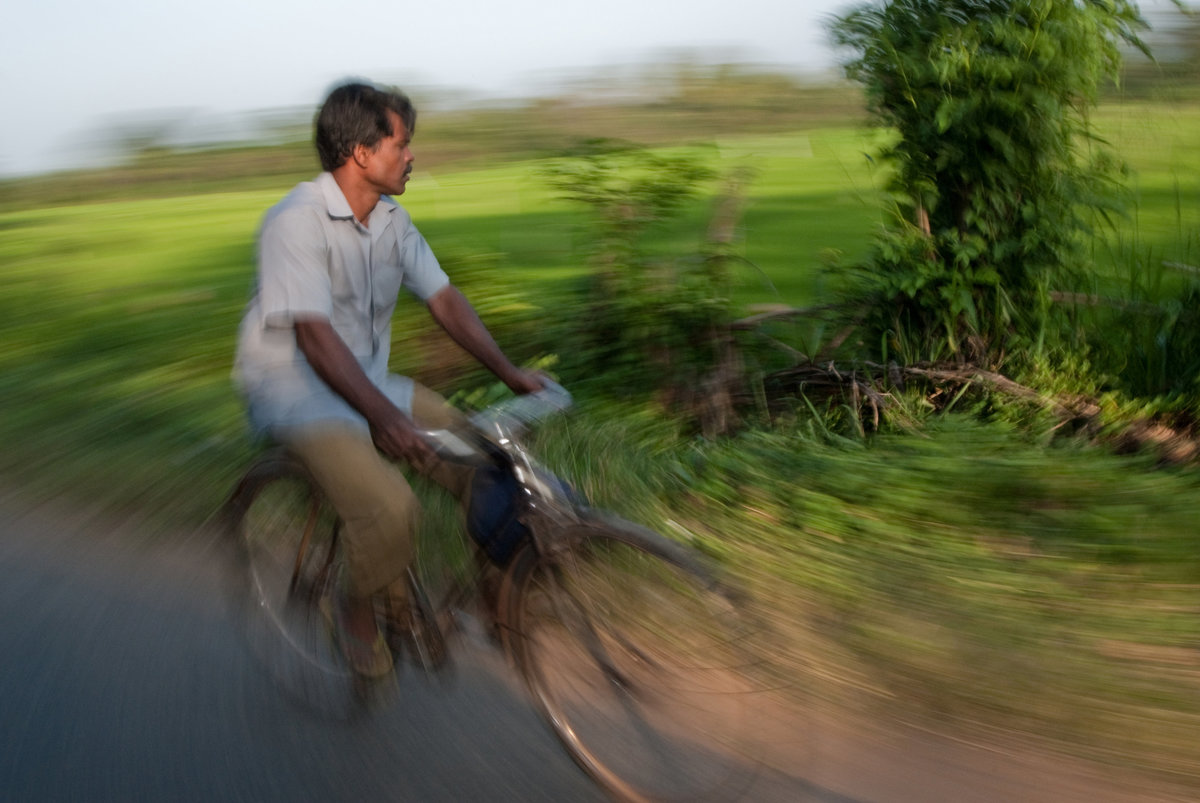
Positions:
{"x": 633, "y": 653}
{"x": 288, "y": 540}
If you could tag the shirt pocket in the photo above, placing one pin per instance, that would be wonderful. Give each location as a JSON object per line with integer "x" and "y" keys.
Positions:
{"x": 387, "y": 280}
{"x": 348, "y": 281}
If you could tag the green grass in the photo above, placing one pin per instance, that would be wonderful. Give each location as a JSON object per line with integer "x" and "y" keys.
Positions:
{"x": 1163, "y": 222}
{"x": 966, "y": 574}
{"x": 969, "y": 578}
{"x": 812, "y": 193}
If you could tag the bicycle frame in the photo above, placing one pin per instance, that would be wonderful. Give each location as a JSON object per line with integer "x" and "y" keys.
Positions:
{"x": 495, "y": 439}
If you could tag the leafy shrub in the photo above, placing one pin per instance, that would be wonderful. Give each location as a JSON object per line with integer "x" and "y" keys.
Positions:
{"x": 650, "y": 323}
{"x": 996, "y": 168}
{"x": 1146, "y": 342}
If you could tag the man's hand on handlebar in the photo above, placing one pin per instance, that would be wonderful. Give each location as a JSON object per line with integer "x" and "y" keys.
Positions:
{"x": 526, "y": 382}
{"x": 396, "y": 437}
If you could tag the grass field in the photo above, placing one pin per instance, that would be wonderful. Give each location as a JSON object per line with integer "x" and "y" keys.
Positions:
{"x": 969, "y": 573}
{"x": 119, "y": 317}
{"x": 1163, "y": 150}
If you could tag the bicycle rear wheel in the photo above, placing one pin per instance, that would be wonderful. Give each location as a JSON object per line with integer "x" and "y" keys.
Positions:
{"x": 633, "y": 654}
{"x": 288, "y": 539}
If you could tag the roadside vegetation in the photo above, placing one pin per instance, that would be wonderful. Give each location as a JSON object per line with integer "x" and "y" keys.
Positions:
{"x": 950, "y": 455}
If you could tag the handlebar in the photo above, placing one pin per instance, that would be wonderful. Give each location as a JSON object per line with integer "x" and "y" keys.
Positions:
{"x": 521, "y": 412}
{"x": 503, "y": 420}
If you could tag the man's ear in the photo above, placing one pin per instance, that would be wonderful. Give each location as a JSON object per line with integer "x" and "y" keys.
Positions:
{"x": 360, "y": 154}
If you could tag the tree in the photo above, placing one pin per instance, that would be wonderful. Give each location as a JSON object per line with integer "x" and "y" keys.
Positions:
{"x": 995, "y": 168}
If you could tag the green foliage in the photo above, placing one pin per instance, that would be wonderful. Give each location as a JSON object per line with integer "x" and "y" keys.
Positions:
{"x": 626, "y": 187}
{"x": 1146, "y": 340}
{"x": 652, "y": 322}
{"x": 996, "y": 167}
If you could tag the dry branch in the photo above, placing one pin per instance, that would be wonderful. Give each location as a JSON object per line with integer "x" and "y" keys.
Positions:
{"x": 865, "y": 385}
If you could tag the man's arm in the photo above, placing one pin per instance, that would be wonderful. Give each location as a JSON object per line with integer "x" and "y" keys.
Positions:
{"x": 332, "y": 360}
{"x": 458, "y": 318}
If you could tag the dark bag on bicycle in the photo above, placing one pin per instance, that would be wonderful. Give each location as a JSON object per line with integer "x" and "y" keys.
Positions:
{"x": 492, "y": 514}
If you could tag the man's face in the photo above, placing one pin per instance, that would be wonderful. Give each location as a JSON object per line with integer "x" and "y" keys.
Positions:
{"x": 389, "y": 164}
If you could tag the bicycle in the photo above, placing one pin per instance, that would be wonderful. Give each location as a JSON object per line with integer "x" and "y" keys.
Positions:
{"x": 628, "y": 643}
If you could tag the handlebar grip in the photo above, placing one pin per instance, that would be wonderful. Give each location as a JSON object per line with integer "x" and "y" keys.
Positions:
{"x": 527, "y": 409}
{"x": 509, "y": 416}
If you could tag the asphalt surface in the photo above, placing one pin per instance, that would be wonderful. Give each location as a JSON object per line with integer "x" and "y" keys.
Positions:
{"x": 123, "y": 677}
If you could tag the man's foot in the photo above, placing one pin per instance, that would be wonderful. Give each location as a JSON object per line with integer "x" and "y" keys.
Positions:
{"x": 357, "y": 635}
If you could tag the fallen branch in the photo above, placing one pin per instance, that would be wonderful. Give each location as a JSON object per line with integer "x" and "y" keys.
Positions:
{"x": 864, "y": 385}
{"x": 991, "y": 379}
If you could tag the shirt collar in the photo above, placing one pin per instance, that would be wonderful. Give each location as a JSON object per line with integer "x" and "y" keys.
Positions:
{"x": 335, "y": 202}
{"x": 338, "y": 207}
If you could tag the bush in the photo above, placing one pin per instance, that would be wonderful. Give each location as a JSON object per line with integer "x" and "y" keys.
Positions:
{"x": 652, "y": 323}
{"x": 996, "y": 169}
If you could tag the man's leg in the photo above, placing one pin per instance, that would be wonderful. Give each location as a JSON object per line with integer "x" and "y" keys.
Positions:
{"x": 378, "y": 509}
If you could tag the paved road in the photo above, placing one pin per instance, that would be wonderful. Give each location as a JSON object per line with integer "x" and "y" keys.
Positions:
{"x": 122, "y": 677}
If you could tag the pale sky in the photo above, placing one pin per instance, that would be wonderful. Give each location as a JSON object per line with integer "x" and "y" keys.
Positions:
{"x": 72, "y": 69}
{"x": 68, "y": 68}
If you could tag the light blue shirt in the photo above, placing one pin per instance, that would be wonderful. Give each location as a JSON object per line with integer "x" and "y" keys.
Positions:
{"x": 316, "y": 260}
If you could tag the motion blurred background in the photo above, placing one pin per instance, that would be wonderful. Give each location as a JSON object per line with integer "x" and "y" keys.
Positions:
{"x": 969, "y": 564}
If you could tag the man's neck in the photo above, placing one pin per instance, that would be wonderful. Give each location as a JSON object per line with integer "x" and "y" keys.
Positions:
{"x": 361, "y": 198}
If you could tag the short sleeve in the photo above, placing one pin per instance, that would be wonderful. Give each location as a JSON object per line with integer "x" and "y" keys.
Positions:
{"x": 423, "y": 275}
{"x": 293, "y": 268}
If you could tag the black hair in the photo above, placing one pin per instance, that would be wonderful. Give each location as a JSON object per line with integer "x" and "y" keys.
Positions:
{"x": 357, "y": 114}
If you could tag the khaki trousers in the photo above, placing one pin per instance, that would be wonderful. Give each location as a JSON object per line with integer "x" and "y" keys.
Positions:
{"x": 378, "y": 509}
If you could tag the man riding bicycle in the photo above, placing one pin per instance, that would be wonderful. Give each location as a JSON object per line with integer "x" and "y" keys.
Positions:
{"x": 313, "y": 345}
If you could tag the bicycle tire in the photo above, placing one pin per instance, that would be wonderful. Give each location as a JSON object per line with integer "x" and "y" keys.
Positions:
{"x": 632, "y": 652}
{"x": 287, "y": 539}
